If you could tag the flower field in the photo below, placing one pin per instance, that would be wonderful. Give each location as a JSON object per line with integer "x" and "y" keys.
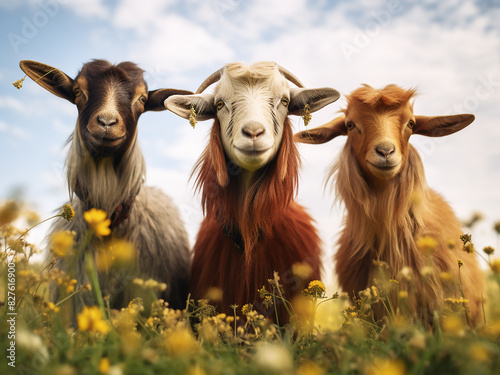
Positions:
{"x": 327, "y": 334}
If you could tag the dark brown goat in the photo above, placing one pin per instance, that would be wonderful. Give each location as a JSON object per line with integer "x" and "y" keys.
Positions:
{"x": 106, "y": 169}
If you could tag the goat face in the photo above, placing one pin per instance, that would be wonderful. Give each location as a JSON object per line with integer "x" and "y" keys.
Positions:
{"x": 251, "y": 104}
{"x": 251, "y": 113}
{"x": 110, "y": 99}
{"x": 379, "y": 124}
{"x": 379, "y": 139}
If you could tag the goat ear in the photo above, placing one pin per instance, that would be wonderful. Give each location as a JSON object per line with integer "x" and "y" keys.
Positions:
{"x": 203, "y": 105}
{"x": 439, "y": 126}
{"x": 156, "y": 98}
{"x": 323, "y": 133}
{"x": 50, "y": 78}
{"x": 316, "y": 98}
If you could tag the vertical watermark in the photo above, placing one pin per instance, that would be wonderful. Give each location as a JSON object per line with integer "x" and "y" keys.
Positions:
{"x": 11, "y": 313}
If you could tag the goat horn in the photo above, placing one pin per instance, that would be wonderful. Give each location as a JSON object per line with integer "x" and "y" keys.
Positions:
{"x": 288, "y": 75}
{"x": 214, "y": 77}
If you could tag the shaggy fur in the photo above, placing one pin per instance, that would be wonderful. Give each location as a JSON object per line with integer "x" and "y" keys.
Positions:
{"x": 106, "y": 175}
{"x": 248, "y": 178}
{"x": 384, "y": 219}
{"x": 287, "y": 234}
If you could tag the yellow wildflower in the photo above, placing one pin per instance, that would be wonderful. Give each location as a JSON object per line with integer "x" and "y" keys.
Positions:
{"x": 70, "y": 287}
{"x": 496, "y": 227}
{"x": 246, "y": 308}
{"x": 68, "y": 212}
{"x": 465, "y": 238}
{"x": 495, "y": 266}
{"x": 403, "y": 294}
{"x": 195, "y": 370}
{"x": 427, "y": 244}
{"x": 469, "y": 247}
{"x": 90, "y": 319}
{"x": 456, "y": 301}
{"x": 460, "y": 263}
{"x": 315, "y": 289}
{"x": 274, "y": 357}
{"x": 453, "y": 324}
{"x": 181, "y": 343}
{"x": 306, "y": 114}
{"x": 52, "y": 307}
{"x": 19, "y": 83}
{"x": 445, "y": 277}
{"x": 488, "y": 250}
{"x": 480, "y": 352}
{"x": 32, "y": 218}
{"x": 192, "y": 117}
{"x": 65, "y": 370}
{"x": 97, "y": 221}
{"x": 302, "y": 270}
{"x": 62, "y": 243}
{"x": 310, "y": 368}
{"x": 115, "y": 252}
{"x": 9, "y": 211}
{"x": 386, "y": 367}
{"x": 418, "y": 340}
{"x": 103, "y": 366}
{"x": 303, "y": 307}
{"x": 214, "y": 294}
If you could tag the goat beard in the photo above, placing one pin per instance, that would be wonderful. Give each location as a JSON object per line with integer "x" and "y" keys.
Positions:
{"x": 256, "y": 210}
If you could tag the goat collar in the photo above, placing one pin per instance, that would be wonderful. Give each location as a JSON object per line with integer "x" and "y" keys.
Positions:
{"x": 233, "y": 233}
{"x": 120, "y": 213}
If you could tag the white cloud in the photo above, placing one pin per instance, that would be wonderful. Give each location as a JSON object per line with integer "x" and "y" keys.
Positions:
{"x": 172, "y": 51}
{"x": 21, "y": 133}
{"x": 87, "y": 8}
{"x": 11, "y": 103}
{"x": 15, "y": 131}
{"x": 141, "y": 16}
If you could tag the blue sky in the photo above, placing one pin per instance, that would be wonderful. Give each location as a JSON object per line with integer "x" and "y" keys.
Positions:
{"x": 449, "y": 50}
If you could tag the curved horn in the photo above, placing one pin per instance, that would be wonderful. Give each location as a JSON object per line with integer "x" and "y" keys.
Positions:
{"x": 214, "y": 77}
{"x": 288, "y": 75}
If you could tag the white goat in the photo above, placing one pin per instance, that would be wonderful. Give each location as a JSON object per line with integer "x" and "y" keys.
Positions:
{"x": 248, "y": 176}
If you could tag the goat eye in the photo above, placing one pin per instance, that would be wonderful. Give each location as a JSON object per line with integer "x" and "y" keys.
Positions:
{"x": 350, "y": 125}
{"x": 411, "y": 124}
{"x": 285, "y": 101}
{"x": 219, "y": 104}
{"x": 143, "y": 99}
{"x": 77, "y": 91}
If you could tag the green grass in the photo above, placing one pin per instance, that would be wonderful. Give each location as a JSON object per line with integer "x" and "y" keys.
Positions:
{"x": 327, "y": 334}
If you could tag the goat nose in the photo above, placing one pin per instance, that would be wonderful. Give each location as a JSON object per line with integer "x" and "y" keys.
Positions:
{"x": 106, "y": 120}
{"x": 253, "y": 131}
{"x": 385, "y": 149}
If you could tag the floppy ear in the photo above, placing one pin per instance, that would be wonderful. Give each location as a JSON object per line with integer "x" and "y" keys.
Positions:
{"x": 439, "y": 126}
{"x": 203, "y": 105}
{"x": 323, "y": 133}
{"x": 316, "y": 98}
{"x": 156, "y": 98}
{"x": 50, "y": 78}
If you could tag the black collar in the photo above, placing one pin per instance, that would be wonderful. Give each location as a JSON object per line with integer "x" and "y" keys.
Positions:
{"x": 233, "y": 233}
